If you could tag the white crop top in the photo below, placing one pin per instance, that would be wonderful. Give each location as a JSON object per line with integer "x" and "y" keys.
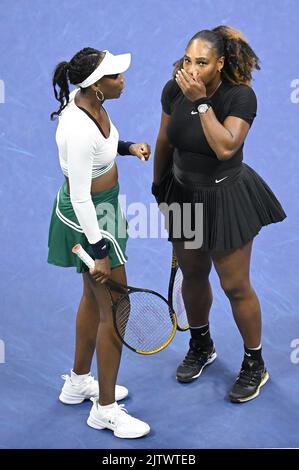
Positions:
{"x": 84, "y": 154}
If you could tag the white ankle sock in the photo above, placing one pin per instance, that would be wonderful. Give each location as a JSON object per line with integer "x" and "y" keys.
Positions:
{"x": 78, "y": 378}
{"x": 107, "y": 407}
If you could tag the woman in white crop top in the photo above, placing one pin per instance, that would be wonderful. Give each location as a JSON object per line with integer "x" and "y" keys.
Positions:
{"x": 86, "y": 211}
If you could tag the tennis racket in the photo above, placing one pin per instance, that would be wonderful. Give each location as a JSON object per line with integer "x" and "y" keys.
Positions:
{"x": 142, "y": 318}
{"x": 175, "y": 298}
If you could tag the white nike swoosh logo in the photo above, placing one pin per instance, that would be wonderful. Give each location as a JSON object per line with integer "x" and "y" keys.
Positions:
{"x": 194, "y": 112}
{"x": 218, "y": 181}
{"x": 249, "y": 355}
{"x": 203, "y": 334}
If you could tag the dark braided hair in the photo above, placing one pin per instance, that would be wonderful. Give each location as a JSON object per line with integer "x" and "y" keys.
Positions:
{"x": 240, "y": 59}
{"x": 76, "y": 71}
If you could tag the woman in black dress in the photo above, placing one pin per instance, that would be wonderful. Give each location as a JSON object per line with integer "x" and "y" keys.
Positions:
{"x": 208, "y": 109}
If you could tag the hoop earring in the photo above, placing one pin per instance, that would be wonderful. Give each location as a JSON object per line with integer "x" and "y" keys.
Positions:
{"x": 101, "y": 99}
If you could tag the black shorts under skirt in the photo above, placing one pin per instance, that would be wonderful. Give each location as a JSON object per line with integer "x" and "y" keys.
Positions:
{"x": 235, "y": 206}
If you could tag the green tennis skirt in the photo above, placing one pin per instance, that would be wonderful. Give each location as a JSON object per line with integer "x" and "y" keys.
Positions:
{"x": 65, "y": 230}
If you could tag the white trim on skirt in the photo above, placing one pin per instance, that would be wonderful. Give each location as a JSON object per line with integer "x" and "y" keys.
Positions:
{"x": 78, "y": 228}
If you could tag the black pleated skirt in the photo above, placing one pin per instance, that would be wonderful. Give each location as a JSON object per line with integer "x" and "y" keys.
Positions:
{"x": 234, "y": 206}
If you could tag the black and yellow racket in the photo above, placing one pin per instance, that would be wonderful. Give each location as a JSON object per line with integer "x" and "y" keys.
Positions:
{"x": 175, "y": 298}
{"x": 143, "y": 319}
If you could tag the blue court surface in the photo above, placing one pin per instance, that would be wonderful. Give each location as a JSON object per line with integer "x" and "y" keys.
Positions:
{"x": 39, "y": 301}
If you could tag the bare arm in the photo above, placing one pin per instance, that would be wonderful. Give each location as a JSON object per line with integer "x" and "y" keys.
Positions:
{"x": 163, "y": 150}
{"x": 225, "y": 139}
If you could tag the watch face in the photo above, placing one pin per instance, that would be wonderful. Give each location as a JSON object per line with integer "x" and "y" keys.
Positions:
{"x": 203, "y": 108}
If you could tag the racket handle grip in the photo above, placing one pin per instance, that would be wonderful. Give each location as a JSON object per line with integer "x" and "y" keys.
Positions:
{"x": 83, "y": 255}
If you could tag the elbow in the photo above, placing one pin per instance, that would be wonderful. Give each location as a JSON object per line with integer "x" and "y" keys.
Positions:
{"x": 225, "y": 154}
{"x": 163, "y": 142}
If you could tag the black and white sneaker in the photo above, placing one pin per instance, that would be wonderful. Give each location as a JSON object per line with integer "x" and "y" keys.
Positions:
{"x": 253, "y": 375}
{"x": 198, "y": 357}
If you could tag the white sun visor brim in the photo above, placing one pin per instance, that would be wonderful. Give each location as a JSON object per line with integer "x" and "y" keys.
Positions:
{"x": 110, "y": 65}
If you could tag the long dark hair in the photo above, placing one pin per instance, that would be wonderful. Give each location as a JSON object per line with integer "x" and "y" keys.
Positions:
{"x": 78, "y": 69}
{"x": 240, "y": 59}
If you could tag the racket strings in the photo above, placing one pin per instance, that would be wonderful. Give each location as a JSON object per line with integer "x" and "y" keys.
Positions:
{"x": 144, "y": 321}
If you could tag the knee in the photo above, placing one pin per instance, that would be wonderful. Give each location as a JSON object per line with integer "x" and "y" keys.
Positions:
{"x": 198, "y": 274}
{"x": 236, "y": 289}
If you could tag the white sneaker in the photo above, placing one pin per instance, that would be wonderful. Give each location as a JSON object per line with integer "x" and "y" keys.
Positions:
{"x": 118, "y": 420}
{"x": 75, "y": 393}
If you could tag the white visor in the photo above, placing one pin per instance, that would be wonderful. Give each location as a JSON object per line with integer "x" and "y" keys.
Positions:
{"x": 110, "y": 65}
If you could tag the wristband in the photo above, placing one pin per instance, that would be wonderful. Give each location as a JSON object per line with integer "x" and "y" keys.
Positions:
{"x": 123, "y": 147}
{"x": 100, "y": 249}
